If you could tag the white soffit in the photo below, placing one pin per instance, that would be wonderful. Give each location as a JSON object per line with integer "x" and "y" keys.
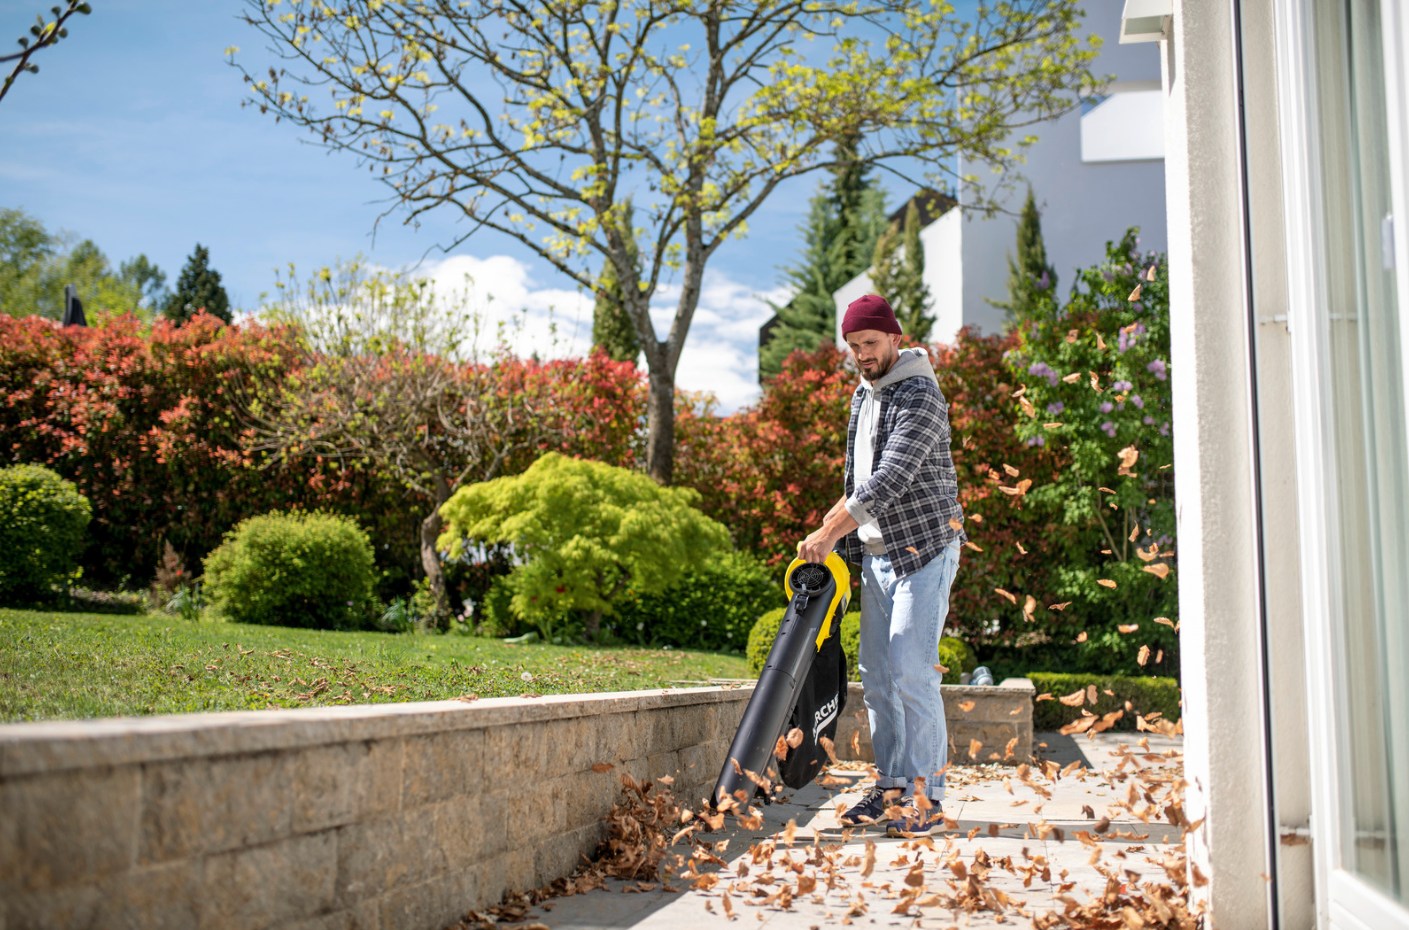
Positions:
{"x": 1145, "y": 20}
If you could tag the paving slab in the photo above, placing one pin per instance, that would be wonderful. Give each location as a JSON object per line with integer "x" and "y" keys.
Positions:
{"x": 1018, "y": 842}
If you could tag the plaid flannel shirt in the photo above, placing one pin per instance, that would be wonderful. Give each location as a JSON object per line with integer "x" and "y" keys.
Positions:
{"x": 912, "y": 493}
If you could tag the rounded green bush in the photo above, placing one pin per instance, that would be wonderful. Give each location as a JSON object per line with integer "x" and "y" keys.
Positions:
{"x": 712, "y": 606}
{"x": 765, "y": 630}
{"x": 43, "y": 520}
{"x": 294, "y": 569}
{"x": 954, "y": 654}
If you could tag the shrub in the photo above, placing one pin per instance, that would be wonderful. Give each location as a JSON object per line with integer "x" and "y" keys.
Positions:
{"x": 959, "y": 658}
{"x": 293, "y": 569}
{"x": 712, "y": 606}
{"x": 584, "y": 534}
{"x": 1146, "y": 696}
{"x": 43, "y": 519}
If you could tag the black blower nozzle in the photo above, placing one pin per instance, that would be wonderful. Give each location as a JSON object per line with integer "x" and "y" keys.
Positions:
{"x": 803, "y": 682}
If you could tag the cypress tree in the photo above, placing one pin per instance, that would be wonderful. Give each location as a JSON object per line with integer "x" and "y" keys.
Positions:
{"x": 843, "y": 221}
{"x": 898, "y": 273}
{"x": 1032, "y": 282}
{"x": 198, "y": 288}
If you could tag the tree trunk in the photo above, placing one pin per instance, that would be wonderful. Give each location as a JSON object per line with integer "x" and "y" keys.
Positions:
{"x": 430, "y": 561}
{"x": 660, "y": 425}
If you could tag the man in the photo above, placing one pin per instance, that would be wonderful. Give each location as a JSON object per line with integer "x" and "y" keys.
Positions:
{"x": 900, "y": 519}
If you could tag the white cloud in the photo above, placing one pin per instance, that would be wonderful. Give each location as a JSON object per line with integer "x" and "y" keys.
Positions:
{"x": 721, "y": 351}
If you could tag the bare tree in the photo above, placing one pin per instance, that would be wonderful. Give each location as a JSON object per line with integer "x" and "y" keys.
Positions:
{"x": 542, "y": 119}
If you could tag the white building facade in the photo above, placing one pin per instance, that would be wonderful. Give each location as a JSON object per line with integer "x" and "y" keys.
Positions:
{"x": 1286, "y": 128}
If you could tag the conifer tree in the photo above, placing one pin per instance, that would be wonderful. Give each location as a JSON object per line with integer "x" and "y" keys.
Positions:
{"x": 843, "y": 221}
{"x": 1032, "y": 282}
{"x": 612, "y": 329}
{"x": 898, "y": 274}
{"x": 198, "y": 288}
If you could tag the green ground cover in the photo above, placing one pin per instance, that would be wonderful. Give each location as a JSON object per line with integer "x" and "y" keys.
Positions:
{"x": 56, "y": 665}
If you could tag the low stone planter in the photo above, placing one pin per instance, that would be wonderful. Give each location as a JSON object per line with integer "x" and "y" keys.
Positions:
{"x": 986, "y": 723}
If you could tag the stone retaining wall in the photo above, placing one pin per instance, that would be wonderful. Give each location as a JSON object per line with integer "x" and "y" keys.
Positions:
{"x": 380, "y": 817}
{"x": 374, "y": 817}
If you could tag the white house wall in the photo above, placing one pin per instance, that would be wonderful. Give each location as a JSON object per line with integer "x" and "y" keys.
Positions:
{"x": 1084, "y": 204}
{"x": 1220, "y": 645}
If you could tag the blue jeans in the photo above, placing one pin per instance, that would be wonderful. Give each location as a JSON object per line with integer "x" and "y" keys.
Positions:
{"x": 901, "y": 622}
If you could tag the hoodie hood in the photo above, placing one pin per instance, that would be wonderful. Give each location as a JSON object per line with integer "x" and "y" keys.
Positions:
{"x": 912, "y": 363}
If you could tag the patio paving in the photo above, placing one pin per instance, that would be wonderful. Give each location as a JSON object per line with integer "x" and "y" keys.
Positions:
{"x": 1022, "y": 846}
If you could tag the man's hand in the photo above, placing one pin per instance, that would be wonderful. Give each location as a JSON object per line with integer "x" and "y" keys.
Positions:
{"x": 816, "y": 546}
{"x": 835, "y": 525}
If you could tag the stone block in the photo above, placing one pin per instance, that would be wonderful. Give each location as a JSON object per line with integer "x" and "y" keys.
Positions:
{"x": 271, "y": 885}
{"x": 664, "y": 764}
{"x": 513, "y": 755}
{"x": 366, "y": 916}
{"x": 343, "y": 782}
{"x": 383, "y": 853}
{"x": 442, "y": 765}
{"x": 572, "y": 744}
{"x": 68, "y": 827}
{"x": 432, "y": 904}
{"x": 212, "y": 805}
{"x": 585, "y": 797}
{"x": 558, "y": 857}
{"x": 459, "y": 829}
{"x": 619, "y": 737}
{"x": 77, "y": 907}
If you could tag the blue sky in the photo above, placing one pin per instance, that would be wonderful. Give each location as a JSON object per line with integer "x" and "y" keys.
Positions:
{"x": 132, "y": 135}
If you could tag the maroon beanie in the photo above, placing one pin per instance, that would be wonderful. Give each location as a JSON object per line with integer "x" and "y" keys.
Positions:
{"x": 869, "y": 312}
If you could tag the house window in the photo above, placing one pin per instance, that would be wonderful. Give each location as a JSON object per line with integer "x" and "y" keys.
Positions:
{"x": 1363, "y": 360}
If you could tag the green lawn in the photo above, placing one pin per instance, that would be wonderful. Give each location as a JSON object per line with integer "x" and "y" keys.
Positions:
{"x": 56, "y": 665}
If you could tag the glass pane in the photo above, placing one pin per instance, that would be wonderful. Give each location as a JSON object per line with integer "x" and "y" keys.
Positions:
{"x": 1371, "y": 461}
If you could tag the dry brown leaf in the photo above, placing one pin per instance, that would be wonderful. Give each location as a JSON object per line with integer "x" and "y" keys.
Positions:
{"x": 1029, "y": 607}
{"x": 1091, "y": 695}
{"x": 1096, "y": 382}
{"x": 1081, "y": 637}
{"x": 1062, "y": 606}
{"x": 602, "y": 767}
{"x": 1128, "y": 456}
{"x": 1160, "y": 570}
{"x": 1075, "y": 699}
{"x": 795, "y": 737}
{"x": 1134, "y": 534}
{"x": 955, "y": 525}
{"x": 1135, "y": 294}
{"x": 1044, "y": 696}
{"x": 1072, "y": 378}
{"x": 1144, "y": 656}
{"x": 975, "y": 747}
{"x": 1128, "y": 627}
{"x": 1150, "y": 275}
{"x": 1053, "y": 425}
{"x": 966, "y": 706}
{"x": 1021, "y": 550}
{"x": 1012, "y": 472}
{"x": 1012, "y": 598}
{"x": 1105, "y": 582}
{"x": 941, "y": 669}
{"x": 970, "y": 545}
{"x": 1166, "y": 621}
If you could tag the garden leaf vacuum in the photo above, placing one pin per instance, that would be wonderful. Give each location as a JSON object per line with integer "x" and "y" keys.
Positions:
{"x": 801, "y": 692}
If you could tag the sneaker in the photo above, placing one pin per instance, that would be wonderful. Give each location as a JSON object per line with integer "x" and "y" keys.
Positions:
{"x": 870, "y": 809}
{"x": 913, "y": 823}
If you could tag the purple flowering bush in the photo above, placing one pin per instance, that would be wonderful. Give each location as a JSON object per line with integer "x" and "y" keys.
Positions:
{"x": 1095, "y": 390}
